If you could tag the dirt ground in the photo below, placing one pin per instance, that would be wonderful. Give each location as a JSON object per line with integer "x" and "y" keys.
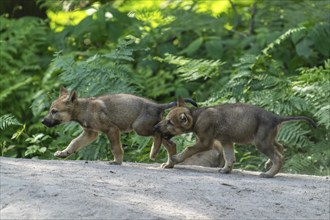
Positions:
{"x": 53, "y": 189}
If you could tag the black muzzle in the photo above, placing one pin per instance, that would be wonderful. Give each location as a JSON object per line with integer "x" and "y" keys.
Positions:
{"x": 50, "y": 123}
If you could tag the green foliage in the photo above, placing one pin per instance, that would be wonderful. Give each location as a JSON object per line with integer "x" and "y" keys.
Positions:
{"x": 99, "y": 74}
{"x": 193, "y": 69}
{"x": 23, "y": 53}
{"x": 248, "y": 158}
{"x": 34, "y": 142}
{"x": 24, "y": 56}
{"x": 8, "y": 120}
{"x": 20, "y": 41}
{"x": 273, "y": 54}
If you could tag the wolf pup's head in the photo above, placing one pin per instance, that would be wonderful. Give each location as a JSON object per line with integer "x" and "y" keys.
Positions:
{"x": 61, "y": 109}
{"x": 178, "y": 121}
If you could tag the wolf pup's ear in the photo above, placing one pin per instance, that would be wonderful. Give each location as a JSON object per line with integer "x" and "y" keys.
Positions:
{"x": 63, "y": 91}
{"x": 73, "y": 96}
{"x": 181, "y": 102}
{"x": 185, "y": 120}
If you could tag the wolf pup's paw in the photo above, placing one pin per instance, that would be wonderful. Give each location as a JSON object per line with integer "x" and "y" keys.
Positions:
{"x": 114, "y": 162}
{"x": 61, "y": 154}
{"x": 225, "y": 170}
{"x": 167, "y": 165}
{"x": 266, "y": 175}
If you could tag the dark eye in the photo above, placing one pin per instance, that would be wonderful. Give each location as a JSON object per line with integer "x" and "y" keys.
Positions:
{"x": 53, "y": 111}
{"x": 169, "y": 122}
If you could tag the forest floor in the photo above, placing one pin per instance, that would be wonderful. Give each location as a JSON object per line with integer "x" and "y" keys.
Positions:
{"x": 62, "y": 189}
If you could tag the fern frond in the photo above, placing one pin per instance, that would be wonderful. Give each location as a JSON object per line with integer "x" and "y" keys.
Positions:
{"x": 100, "y": 73}
{"x": 320, "y": 35}
{"x": 295, "y": 136}
{"x": 6, "y": 92}
{"x": 323, "y": 116}
{"x": 314, "y": 86}
{"x": 8, "y": 120}
{"x": 282, "y": 38}
{"x": 123, "y": 52}
{"x": 300, "y": 164}
{"x": 20, "y": 40}
{"x": 193, "y": 69}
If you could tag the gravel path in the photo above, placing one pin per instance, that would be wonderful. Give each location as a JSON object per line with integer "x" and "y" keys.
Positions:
{"x": 59, "y": 189}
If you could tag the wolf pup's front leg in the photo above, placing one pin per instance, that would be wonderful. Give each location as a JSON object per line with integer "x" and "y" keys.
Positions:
{"x": 85, "y": 138}
{"x": 116, "y": 146}
{"x": 171, "y": 151}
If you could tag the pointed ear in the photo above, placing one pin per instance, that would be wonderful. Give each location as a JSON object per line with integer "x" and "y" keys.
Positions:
{"x": 183, "y": 118}
{"x": 181, "y": 102}
{"x": 186, "y": 120}
{"x": 73, "y": 96}
{"x": 63, "y": 91}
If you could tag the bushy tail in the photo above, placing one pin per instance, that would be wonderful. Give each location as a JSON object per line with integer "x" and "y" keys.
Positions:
{"x": 172, "y": 104}
{"x": 298, "y": 118}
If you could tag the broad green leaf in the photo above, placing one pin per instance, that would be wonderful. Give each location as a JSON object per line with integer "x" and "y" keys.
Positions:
{"x": 303, "y": 48}
{"x": 193, "y": 46}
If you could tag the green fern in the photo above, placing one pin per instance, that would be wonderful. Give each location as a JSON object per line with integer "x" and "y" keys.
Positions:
{"x": 300, "y": 164}
{"x": 23, "y": 52}
{"x": 294, "y": 136}
{"x": 16, "y": 85}
{"x": 20, "y": 40}
{"x": 314, "y": 86}
{"x": 8, "y": 120}
{"x": 99, "y": 74}
{"x": 282, "y": 38}
{"x": 193, "y": 69}
{"x": 323, "y": 116}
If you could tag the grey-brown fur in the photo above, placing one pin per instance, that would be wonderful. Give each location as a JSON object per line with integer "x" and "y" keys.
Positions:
{"x": 111, "y": 114}
{"x": 228, "y": 124}
{"x": 208, "y": 158}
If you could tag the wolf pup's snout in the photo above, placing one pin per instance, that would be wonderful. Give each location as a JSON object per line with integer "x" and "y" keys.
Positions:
{"x": 45, "y": 122}
{"x": 165, "y": 135}
{"x": 50, "y": 123}
{"x": 157, "y": 127}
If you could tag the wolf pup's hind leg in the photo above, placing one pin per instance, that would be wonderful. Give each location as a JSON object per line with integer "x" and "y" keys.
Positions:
{"x": 265, "y": 143}
{"x": 229, "y": 155}
{"x": 116, "y": 147}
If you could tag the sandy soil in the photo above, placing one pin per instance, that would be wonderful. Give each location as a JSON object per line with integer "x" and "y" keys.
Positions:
{"x": 44, "y": 189}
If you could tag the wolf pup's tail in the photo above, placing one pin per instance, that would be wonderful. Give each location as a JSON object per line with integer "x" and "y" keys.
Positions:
{"x": 172, "y": 104}
{"x": 298, "y": 118}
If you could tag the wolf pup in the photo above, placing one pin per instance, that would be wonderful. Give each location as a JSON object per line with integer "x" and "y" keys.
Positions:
{"x": 228, "y": 124}
{"x": 111, "y": 115}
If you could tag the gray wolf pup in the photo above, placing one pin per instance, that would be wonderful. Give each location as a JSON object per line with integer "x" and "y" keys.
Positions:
{"x": 228, "y": 124}
{"x": 110, "y": 114}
